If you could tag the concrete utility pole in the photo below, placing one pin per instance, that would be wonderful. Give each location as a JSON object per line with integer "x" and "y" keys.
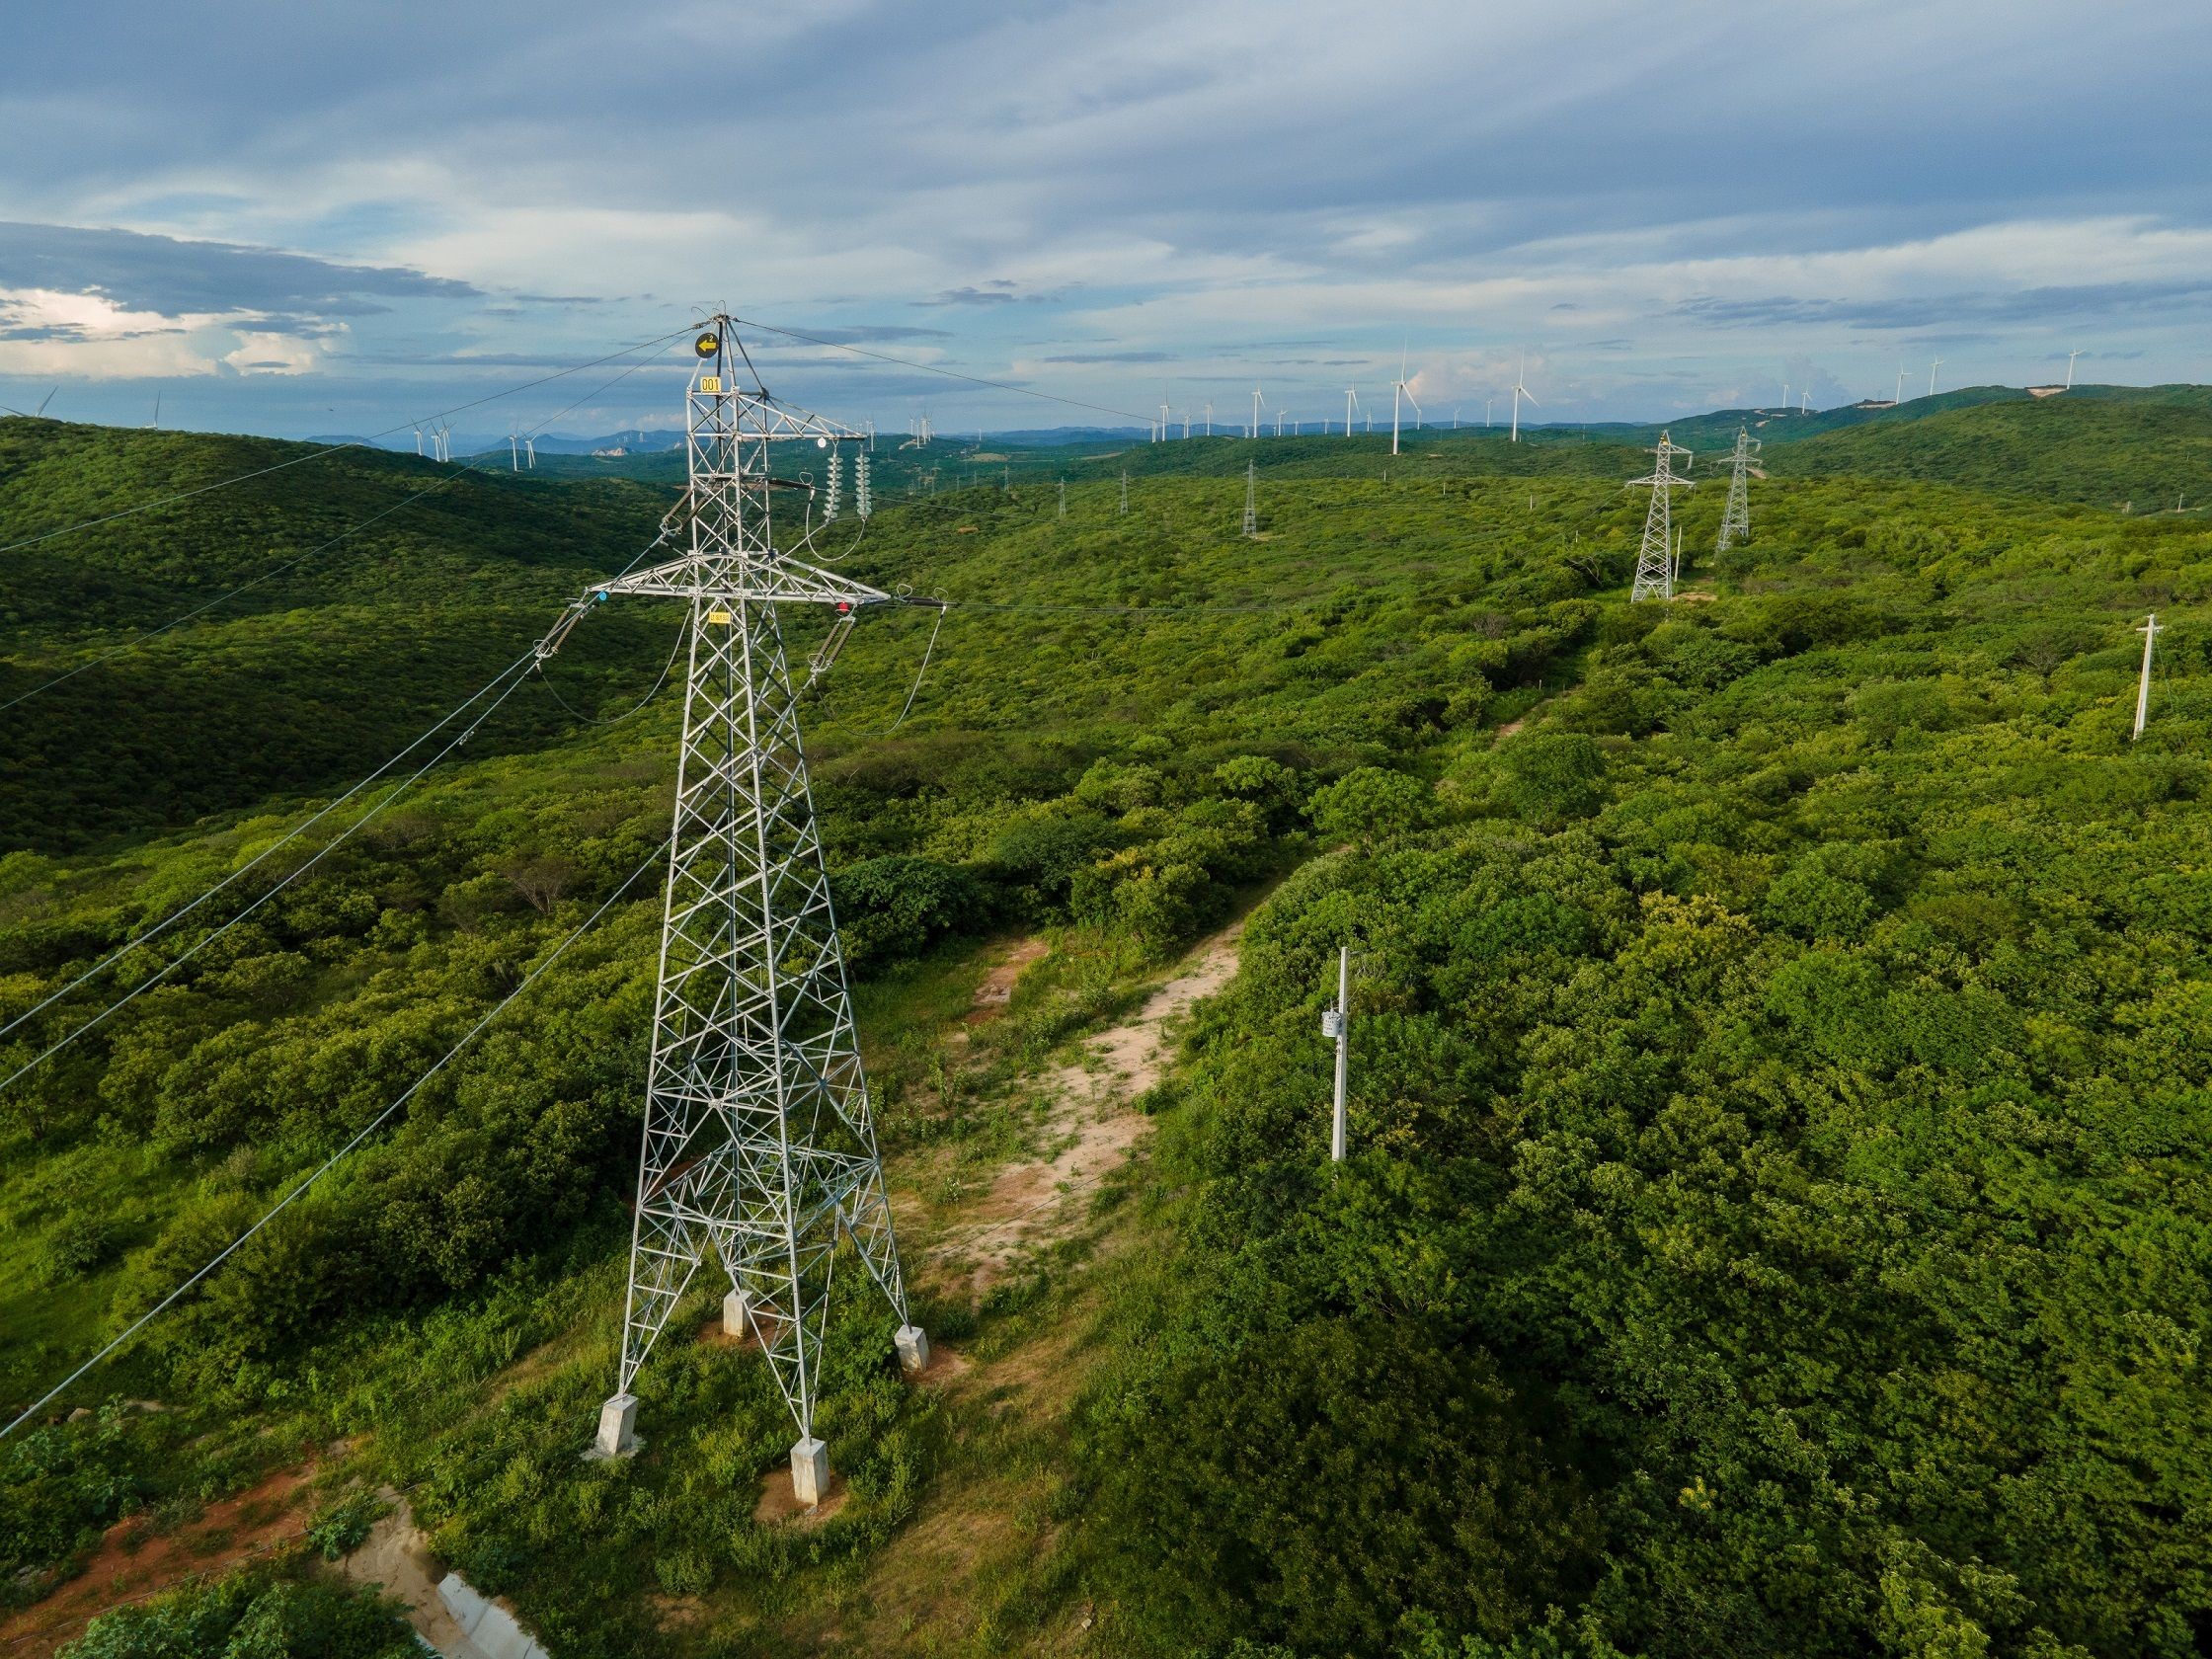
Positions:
{"x": 2150, "y": 633}
{"x": 760, "y": 1141}
{"x": 1336, "y": 1022}
{"x": 1655, "y": 563}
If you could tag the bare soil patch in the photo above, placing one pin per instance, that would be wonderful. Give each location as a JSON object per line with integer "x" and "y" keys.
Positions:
{"x": 397, "y": 1557}
{"x": 778, "y": 1502}
{"x": 997, "y": 988}
{"x": 1092, "y": 1129}
{"x": 134, "y": 1562}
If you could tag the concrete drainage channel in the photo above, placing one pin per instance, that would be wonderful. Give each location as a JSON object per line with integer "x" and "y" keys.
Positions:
{"x": 489, "y": 1628}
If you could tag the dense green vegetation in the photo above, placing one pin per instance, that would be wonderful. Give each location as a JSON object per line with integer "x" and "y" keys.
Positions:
{"x": 260, "y": 1614}
{"x": 1780, "y": 1095}
{"x": 366, "y": 570}
{"x": 1776, "y": 1222}
{"x": 2148, "y": 450}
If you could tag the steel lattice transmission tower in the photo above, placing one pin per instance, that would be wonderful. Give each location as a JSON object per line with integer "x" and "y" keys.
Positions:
{"x": 1655, "y": 559}
{"x": 1735, "y": 522}
{"x": 759, "y": 1139}
{"x": 1251, "y": 498}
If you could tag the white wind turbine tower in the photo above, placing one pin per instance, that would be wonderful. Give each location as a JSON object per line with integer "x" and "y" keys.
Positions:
{"x": 1400, "y": 388}
{"x": 1520, "y": 391}
{"x": 1164, "y": 417}
{"x": 514, "y": 450}
{"x": 530, "y": 450}
{"x": 1255, "y": 432}
{"x": 418, "y": 440}
{"x": 1208, "y": 419}
{"x": 1351, "y": 403}
{"x": 1899, "y": 395}
{"x": 2069, "y": 356}
{"x": 1932, "y": 368}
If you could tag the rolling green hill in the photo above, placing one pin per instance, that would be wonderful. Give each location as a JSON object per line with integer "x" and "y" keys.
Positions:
{"x": 362, "y": 569}
{"x": 2145, "y": 452}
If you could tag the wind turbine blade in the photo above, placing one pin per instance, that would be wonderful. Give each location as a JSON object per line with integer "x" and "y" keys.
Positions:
{"x": 48, "y": 398}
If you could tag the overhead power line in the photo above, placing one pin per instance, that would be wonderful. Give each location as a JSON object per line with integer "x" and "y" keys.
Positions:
{"x": 519, "y": 670}
{"x": 513, "y": 674}
{"x": 328, "y": 1164}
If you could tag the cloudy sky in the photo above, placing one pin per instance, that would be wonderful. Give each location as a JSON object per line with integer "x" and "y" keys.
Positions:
{"x": 302, "y": 219}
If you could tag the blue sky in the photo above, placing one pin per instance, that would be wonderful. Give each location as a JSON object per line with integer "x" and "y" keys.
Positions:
{"x": 311, "y": 219}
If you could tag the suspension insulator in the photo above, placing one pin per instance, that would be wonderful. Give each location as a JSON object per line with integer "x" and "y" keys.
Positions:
{"x": 836, "y": 486}
{"x": 860, "y": 501}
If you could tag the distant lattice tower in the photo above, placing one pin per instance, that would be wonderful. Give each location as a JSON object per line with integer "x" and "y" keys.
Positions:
{"x": 759, "y": 1139}
{"x": 1251, "y": 499}
{"x": 1655, "y": 564}
{"x": 1735, "y": 523}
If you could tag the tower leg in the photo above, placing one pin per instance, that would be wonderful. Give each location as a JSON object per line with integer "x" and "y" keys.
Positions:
{"x": 809, "y": 1472}
{"x": 913, "y": 1349}
{"x": 618, "y": 1420}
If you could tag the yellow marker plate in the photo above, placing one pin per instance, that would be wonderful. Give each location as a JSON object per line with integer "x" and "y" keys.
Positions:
{"x": 711, "y": 383}
{"x": 718, "y": 616}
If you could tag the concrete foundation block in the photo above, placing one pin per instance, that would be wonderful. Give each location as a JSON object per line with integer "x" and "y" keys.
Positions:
{"x": 913, "y": 1349}
{"x": 618, "y": 1427}
{"x": 737, "y": 1314}
{"x": 809, "y": 1472}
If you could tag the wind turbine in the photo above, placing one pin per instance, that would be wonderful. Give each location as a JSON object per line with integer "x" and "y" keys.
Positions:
{"x": 1454, "y": 417}
{"x": 1519, "y": 392}
{"x": 1164, "y": 417}
{"x": 1208, "y": 419}
{"x": 1255, "y": 432}
{"x": 418, "y": 440}
{"x": 1351, "y": 402}
{"x": 1487, "y": 403}
{"x": 514, "y": 450}
{"x": 1932, "y": 368}
{"x": 529, "y": 449}
{"x": 43, "y": 402}
{"x": 2069, "y": 356}
{"x": 1400, "y": 388}
{"x": 156, "y": 422}
{"x": 1899, "y": 395}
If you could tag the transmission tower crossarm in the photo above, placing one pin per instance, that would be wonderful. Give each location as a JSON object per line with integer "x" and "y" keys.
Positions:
{"x": 769, "y": 580}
